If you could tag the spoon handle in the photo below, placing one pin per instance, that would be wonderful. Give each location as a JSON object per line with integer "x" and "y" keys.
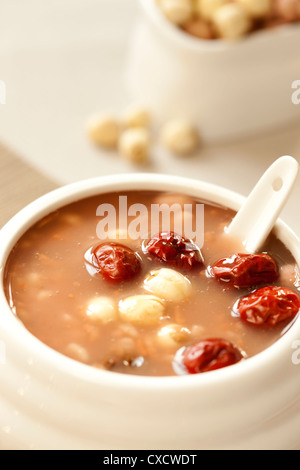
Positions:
{"x": 256, "y": 218}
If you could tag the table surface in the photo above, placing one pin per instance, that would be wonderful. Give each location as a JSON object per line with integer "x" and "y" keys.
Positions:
{"x": 62, "y": 61}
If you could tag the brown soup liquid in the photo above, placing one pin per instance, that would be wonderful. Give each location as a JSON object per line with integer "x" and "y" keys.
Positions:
{"x": 50, "y": 288}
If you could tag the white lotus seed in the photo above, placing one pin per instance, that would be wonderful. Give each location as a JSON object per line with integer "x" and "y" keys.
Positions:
{"x": 232, "y": 21}
{"x": 256, "y": 8}
{"x": 102, "y": 310}
{"x": 144, "y": 310}
{"x": 168, "y": 284}
{"x": 136, "y": 116}
{"x": 207, "y": 8}
{"x": 180, "y": 137}
{"x": 172, "y": 335}
{"x": 104, "y": 130}
{"x": 177, "y": 11}
{"x": 134, "y": 145}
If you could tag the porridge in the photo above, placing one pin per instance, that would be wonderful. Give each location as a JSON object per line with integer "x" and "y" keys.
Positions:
{"x": 158, "y": 305}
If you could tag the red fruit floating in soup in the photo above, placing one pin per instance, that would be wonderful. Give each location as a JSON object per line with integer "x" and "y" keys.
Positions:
{"x": 116, "y": 262}
{"x": 269, "y": 306}
{"x": 209, "y": 355}
{"x": 244, "y": 270}
{"x": 110, "y": 303}
{"x": 175, "y": 250}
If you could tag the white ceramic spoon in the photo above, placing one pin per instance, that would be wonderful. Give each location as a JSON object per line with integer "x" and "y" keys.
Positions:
{"x": 256, "y": 218}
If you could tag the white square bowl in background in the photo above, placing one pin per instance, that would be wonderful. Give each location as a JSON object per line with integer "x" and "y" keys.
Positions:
{"x": 230, "y": 89}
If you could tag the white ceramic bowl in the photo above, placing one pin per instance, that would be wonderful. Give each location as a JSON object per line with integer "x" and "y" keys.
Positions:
{"x": 230, "y": 89}
{"x": 48, "y": 401}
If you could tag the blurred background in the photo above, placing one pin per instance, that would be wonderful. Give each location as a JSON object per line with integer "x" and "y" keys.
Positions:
{"x": 64, "y": 60}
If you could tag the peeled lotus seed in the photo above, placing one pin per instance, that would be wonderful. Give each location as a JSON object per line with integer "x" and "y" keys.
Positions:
{"x": 172, "y": 335}
{"x": 177, "y": 11}
{"x": 207, "y": 8}
{"x": 102, "y": 310}
{"x": 134, "y": 145}
{"x": 104, "y": 130}
{"x": 144, "y": 310}
{"x": 168, "y": 284}
{"x": 232, "y": 21}
{"x": 256, "y": 8}
{"x": 180, "y": 137}
{"x": 136, "y": 116}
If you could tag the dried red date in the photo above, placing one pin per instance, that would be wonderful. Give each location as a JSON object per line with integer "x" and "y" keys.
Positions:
{"x": 175, "y": 250}
{"x": 209, "y": 355}
{"x": 269, "y": 306}
{"x": 244, "y": 270}
{"x": 116, "y": 262}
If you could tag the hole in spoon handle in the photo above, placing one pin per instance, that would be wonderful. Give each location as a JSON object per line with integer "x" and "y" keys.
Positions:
{"x": 277, "y": 184}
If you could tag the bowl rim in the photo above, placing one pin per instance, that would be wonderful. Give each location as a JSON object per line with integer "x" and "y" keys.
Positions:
{"x": 187, "y": 41}
{"x": 56, "y": 361}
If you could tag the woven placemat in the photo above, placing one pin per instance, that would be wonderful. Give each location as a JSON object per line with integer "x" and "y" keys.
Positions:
{"x": 20, "y": 184}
